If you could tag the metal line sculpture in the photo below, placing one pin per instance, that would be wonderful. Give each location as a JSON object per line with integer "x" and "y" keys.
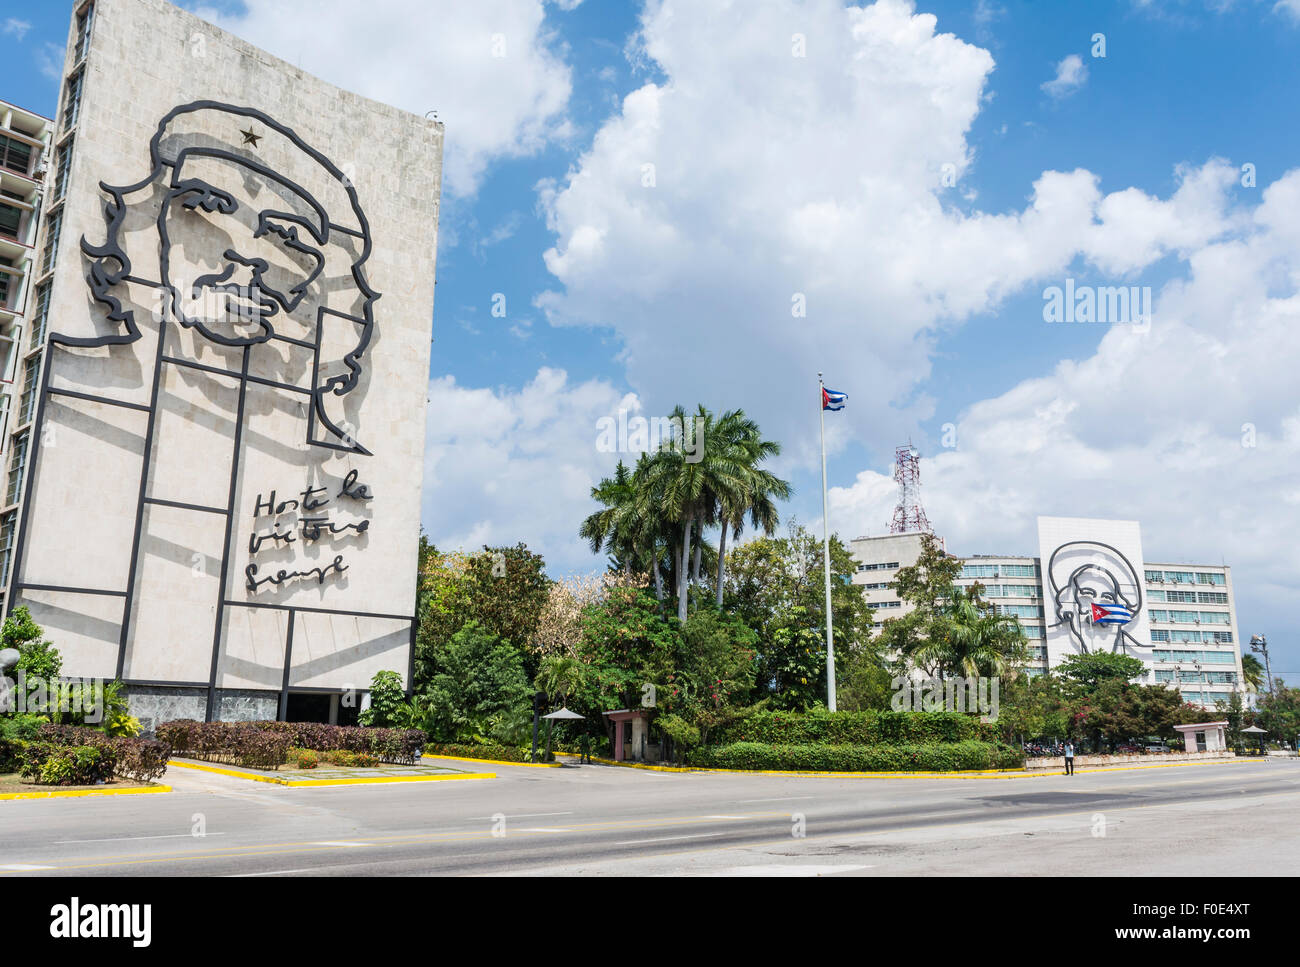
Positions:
{"x": 1092, "y": 592}
{"x": 257, "y": 303}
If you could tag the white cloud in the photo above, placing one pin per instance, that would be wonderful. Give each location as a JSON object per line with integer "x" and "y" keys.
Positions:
{"x": 778, "y": 176}
{"x": 13, "y": 27}
{"x": 1156, "y": 426}
{"x": 1289, "y": 8}
{"x": 49, "y": 59}
{"x": 1070, "y": 76}
{"x": 503, "y": 466}
{"x": 486, "y": 67}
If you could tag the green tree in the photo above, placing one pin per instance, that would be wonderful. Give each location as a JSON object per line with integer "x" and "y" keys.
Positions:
{"x": 1089, "y": 671}
{"x": 687, "y": 484}
{"x": 388, "y": 706}
{"x": 775, "y": 585}
{"x": 1279, "y": 713}
{"x": 920, "y": 637}
{"x": 38, "y": 659}
{"x": 504, "y": 589}
{"x": 1252, "y": 672}
{"x": 481, "y": 690}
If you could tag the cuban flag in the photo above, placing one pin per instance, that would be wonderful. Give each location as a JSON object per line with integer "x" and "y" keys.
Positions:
{"x": 1111, "y": 614}
{"x": 832, "y": 400}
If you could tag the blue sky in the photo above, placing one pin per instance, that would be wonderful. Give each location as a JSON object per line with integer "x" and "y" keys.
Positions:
{"x": 937, "y": 319}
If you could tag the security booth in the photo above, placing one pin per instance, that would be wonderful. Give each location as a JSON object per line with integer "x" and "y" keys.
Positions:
{"x": 631, "y": 743}
{"x": 1204, "y": 736}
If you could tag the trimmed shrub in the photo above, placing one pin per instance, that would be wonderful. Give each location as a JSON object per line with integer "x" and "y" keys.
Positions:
{"x": 306, "y": 758}
{"x": 51, "y": 764}
{"x": 820, "y": 727}
{"x": 143, "y": 760}
{"x": 265, "y": 744}
{"x": 15, "y": 732}
{"x": 881, "y": 757}
{"x": 502, "y": 753}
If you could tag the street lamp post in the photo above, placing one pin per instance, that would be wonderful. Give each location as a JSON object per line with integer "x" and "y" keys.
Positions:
{"x": 1259, "y": 643}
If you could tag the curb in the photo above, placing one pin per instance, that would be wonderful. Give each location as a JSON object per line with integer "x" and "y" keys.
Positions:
{"x": 359, "y": 781}
{"x": 497, "y": 762}
{"x": 961, "y": 774}
{"x": 68, "y": 794}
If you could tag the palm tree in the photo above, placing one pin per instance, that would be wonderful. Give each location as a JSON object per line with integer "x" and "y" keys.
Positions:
{"x": 689, "y": 487}
{"x": 762, "y": 488}
{"x": 633, "y": 538}
{"x": 1252, "y": 672}
{"x": 980, "y": 641}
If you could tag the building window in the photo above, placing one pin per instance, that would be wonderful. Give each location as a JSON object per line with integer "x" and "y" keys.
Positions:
{"x": 1155, "y": 596}
{"x": 1159, "y": 635}
{"x": 1211, "y": 597}
{"x": 83, "y": 33}
{"x": 1179, "y": 577}
{"x": 1156, "y": 577}
{"x": 6, "y": 284}
{"x": 1204, "y": 578}
{"x": 17, "y": 461}
{"x": 1223, "y": 637}
{"x": 16, "y": 155}
{"x": 61, "y": 170}
{"x": 72, "y": 100}
{"x": 27, "y": 406}
{"x": 53, "y": 227}
{"x": 11, "y": 219}
{"x": 7, "y": 524}
{"x": 41, "y": 317}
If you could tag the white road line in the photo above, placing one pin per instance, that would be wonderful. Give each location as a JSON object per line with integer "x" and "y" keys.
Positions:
{"x": 127, "y": 839}
{"x": 665, "y": 839}
{"x": 542, "y": 829}
{"x": 725, "y": 817}
{"x": 783, "y": 869}
{"x": 777, "y": 799}
{"x": 523, "y": 815}
{"x": 337, "y": 842}
{"x": 23, "y": 867}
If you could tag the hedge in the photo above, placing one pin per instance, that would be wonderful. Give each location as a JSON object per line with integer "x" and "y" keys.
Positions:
{"x": 142, "y": 760}
{"x": 881, "y": 757}
{"x": 476, "y": 751}
{"x": 872, "y": 727}
{"x": 266, "y": 744}
{"x": 52, "y": 764}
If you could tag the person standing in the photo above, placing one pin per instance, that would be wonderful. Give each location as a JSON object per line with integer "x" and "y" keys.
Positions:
{"x": 1069, "y": 757}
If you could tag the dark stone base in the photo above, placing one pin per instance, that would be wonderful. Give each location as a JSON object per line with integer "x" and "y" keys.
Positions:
{"x": 153, "y": 704}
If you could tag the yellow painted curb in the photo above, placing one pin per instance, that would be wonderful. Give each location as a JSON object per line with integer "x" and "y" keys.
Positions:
{"x": 56, "y": 794}
{"x": 224, "y": 772}
{"x": 956, "y": 774}
{"x": 495, "y": 762}
{"x": 357, "y": 781}
{"x": 378, "y": 779}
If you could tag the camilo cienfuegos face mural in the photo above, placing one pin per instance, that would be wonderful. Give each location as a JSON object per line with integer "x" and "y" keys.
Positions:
{"x": 1096, "y": 595}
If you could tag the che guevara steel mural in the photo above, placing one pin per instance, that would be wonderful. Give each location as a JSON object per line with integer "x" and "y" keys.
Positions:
{"x": 222, "y": 242}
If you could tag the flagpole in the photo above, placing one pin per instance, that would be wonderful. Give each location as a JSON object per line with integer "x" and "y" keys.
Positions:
{"x": 826, "y": 554}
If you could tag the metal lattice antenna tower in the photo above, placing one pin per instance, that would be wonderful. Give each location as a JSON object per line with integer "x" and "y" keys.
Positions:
{"x": 909, "y": 515}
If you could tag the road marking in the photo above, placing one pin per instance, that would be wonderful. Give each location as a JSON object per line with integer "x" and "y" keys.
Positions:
{"x": 664, "y": 839}
{"x": 523, "y": 815}
{"x": 128, "y": 839}
{"x": 23, "y": 867}
{"x": 784, "y": 869}
{"x": 542, "y": 829}
{"x": 777, "y": 799}
{"x": 337, "y": 842}
{"x": 725, "y": 817}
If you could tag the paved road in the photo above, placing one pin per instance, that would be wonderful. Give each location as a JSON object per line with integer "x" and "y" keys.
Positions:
{"x": 1228, "y": 818}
